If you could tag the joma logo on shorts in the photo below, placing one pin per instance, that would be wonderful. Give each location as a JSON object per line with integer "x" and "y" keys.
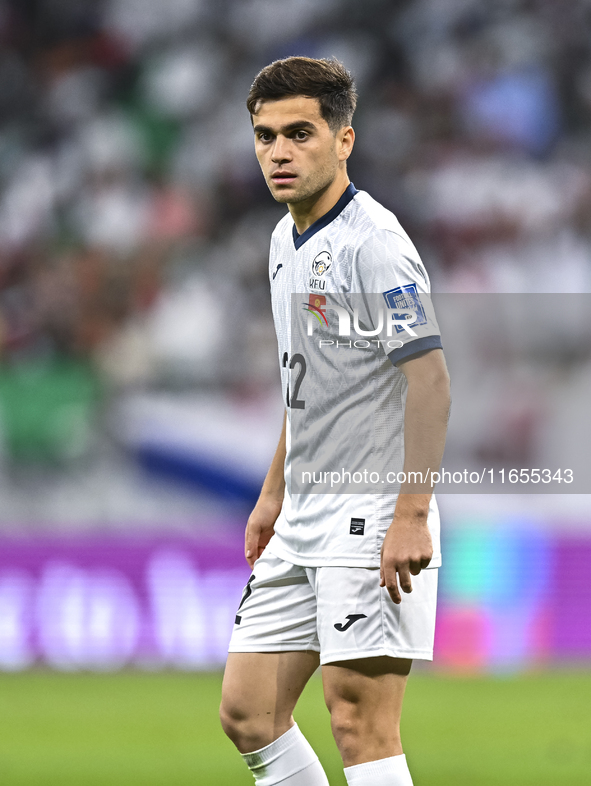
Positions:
{"x": 351, "y": 618}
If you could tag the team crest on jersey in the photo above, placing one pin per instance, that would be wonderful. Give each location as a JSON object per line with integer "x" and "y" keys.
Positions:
{"x": 406, "y": 298}
{"x": 321, "y": 263}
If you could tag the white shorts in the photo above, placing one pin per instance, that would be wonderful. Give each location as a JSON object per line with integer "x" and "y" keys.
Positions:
{"x": 342, "y": 613}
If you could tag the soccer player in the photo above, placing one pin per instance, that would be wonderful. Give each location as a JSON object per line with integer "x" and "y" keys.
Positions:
{"x": 346, "y": 580}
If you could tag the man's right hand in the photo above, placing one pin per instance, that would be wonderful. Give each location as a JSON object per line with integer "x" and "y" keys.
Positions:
{"x": 260, "y": 528}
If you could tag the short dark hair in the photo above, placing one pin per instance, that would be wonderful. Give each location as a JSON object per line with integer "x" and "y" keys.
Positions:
{"x": 327, "y": 80}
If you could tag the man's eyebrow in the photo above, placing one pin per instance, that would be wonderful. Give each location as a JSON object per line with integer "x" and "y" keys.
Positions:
{"x": 295, "y": 126}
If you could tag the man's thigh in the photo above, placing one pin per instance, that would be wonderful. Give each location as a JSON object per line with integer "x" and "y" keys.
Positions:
{"x": 273, "y": 653}
{"x": 375, "y": 685}
{"x": 259, "y": 693}
{"x": 367, "y": 644}
{"x": 365, "y": 701}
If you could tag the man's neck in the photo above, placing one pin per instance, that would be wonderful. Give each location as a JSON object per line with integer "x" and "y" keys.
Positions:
{"x": 306, "y": 213}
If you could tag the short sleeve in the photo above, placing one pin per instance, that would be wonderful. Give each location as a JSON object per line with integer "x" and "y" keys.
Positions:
{"x": 388, "y": 271}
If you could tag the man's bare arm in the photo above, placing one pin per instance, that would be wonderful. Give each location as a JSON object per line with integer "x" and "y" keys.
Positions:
{"x": 261, "y": 522}
{"x": 407, "y": 547}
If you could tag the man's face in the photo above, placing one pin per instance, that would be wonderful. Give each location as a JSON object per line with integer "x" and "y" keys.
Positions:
{"x": 297, "y": 151}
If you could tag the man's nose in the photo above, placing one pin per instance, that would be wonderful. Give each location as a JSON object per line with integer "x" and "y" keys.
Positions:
{"x": 281, "y": 150}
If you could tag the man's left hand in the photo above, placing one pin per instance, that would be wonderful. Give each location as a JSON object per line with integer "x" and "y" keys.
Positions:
{"x": 407, "y": 549}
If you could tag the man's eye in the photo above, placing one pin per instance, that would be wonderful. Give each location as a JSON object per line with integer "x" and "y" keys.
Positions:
{"x": 301, "y": 135}
{"x": 264, "y": 137}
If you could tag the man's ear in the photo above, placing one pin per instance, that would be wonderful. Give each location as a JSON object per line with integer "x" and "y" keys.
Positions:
{"x": 347, "y": 140}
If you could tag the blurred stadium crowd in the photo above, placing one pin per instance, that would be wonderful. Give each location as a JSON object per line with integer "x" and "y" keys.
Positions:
{"x": 134, "y": 220}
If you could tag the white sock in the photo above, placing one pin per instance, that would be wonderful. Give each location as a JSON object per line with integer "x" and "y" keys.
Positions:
{"x": 288, "y": 760}
{"x": 384, "y": 772}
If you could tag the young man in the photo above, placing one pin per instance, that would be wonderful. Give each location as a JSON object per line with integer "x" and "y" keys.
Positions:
{"x": 331, "y": 578}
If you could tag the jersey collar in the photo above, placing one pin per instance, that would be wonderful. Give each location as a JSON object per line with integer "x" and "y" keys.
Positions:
{"x": 325, "y": 220}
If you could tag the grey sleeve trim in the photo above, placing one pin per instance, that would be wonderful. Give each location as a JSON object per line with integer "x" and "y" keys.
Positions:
{"x": 414, "y": 348}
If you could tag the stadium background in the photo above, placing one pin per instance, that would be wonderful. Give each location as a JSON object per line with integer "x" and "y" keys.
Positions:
{"x": 136, "y": 424}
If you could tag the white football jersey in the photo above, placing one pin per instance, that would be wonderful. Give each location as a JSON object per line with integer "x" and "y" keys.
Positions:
{"x": 344, "y": 394}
